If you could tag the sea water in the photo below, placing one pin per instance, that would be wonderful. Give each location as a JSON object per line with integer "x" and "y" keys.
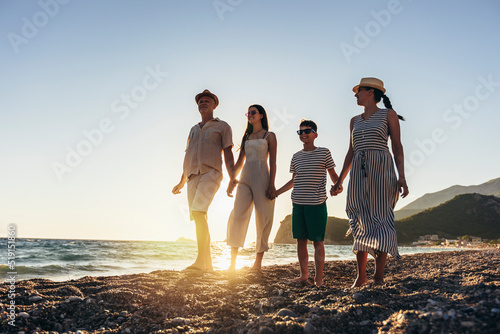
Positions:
{"x": 71, "y": 259}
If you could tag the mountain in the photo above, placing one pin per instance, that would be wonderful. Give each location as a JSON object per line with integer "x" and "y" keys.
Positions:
{"x": 431, "y": 200}
{"x": 466, "y": 214}
{"x": 335, "y": 231}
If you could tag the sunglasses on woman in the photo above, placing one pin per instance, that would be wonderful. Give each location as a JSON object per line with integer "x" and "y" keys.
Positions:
{"x": 306, "y": 131}
{"x": 253, "y": 112}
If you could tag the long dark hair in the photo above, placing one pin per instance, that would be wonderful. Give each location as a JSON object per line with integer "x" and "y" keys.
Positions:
{"x": 249, "y": 130}
{"x": 379, "y": 95}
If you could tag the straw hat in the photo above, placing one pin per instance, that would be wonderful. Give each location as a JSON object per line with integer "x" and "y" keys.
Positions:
{"x": 370, "y": 82}
{"x": 206, "y": 92}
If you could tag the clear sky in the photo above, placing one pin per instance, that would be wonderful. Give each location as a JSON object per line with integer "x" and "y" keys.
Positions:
{"x": 97, "y": 99}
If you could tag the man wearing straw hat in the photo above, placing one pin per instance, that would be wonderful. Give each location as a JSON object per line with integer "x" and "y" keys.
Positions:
{"x": 202, "y": 170}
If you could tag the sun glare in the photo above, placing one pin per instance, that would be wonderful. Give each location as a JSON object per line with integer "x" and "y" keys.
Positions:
{"x": 221, "y": 255}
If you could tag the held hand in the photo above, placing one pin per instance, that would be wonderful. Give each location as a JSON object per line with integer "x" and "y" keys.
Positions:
{"x": 177, "y": 189}
{"x": 403, "y": 188}
{"x": 271, "y": 192}
{"x": 336, "y": 189}
{"x": 231, "y": 186}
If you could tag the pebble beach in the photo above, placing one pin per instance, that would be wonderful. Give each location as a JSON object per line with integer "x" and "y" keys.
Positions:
{"x": 446, "y": 292}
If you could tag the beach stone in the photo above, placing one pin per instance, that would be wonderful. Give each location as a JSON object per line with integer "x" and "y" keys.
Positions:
{"x": 23, "y": 315}
{"x": 365, "y": 322}
{"x": 178, "y": 321}
{"x": 309, "y": 328}
{"x": 35, "y": 299}
{"x": 58, "y": 327}
{"x": 358, "y": 297}
{"x": 266, "y": 330}
{"x": 452, "y": 313}
{"x": 437, "y": 315}
{"x": 314, "y": 309}
{"x": 467, "y": 323}
{"x": 495, "y": 310}
{"x": 286, "y": 312}
{"x": 73, "y": 299}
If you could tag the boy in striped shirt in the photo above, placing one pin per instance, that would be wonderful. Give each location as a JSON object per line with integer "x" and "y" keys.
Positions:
{"x": 309, "y": 215}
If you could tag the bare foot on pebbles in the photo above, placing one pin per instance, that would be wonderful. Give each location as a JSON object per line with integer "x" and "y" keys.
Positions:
{"x": 359, "y": 282}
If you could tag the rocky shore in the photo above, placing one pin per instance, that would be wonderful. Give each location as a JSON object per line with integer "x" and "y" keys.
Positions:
{"x": 446, "y": 292}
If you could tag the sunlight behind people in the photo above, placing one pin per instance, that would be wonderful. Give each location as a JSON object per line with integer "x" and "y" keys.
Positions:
{"x": 96, "y": 110}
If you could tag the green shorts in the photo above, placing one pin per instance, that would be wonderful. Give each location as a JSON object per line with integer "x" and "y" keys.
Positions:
{"x": 309, "y": 221}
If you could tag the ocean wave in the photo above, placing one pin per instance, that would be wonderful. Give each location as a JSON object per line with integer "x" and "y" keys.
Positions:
{"x": 75, "y": 257}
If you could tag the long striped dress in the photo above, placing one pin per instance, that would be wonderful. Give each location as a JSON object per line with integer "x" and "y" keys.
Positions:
{"x": 372, "y": 192}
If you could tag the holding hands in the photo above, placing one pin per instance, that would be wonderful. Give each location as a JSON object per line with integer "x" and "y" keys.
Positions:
{"x": 336, "y": 189}
{"x": 231, "y": 186}
{"x": 271, "y": 192}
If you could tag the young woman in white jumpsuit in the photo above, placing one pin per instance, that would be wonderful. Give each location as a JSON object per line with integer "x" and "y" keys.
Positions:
{"x": 255, "y": 186}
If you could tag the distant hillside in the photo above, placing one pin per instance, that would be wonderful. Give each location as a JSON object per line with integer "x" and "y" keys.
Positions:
{"x": 431, "y": 200}
{"x": 335, "y": 231}
{"x": 466, "y": 214}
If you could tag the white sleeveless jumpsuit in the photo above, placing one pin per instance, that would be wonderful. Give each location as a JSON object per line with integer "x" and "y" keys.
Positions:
{"x": 251, "y": 191}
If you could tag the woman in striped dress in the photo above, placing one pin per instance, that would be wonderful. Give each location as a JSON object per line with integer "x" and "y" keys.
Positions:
{"x": 373, "y": 186}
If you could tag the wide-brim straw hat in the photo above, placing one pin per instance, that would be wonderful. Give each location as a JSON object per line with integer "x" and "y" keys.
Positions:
{"x": 206, "y": 92}
{"x": 370, "y": 82}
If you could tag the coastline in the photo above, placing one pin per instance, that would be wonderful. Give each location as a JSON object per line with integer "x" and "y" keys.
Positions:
{"x": 456, "y": 291}
{"x": 62, "y": 260}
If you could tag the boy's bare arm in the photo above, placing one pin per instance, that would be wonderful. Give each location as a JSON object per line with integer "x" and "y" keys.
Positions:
{"x": 286, "y": 187}
{"x": 333, "y": 176}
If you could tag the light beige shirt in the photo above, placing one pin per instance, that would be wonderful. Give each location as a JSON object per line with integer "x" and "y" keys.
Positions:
{"x": 205, "y": 145}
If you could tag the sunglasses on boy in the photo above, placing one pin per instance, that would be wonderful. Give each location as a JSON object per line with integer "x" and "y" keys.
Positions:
{"x": 306, "y": 131}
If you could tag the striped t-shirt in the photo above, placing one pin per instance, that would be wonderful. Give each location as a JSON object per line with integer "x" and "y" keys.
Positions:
{"x": 309, "y": 184}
